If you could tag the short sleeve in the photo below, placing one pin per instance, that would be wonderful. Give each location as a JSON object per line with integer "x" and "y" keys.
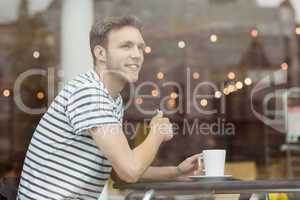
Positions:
{"x": 90, "y": 107}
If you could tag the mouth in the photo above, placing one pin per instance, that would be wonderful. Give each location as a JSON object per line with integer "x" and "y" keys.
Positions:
{"x": 133, "y": 67}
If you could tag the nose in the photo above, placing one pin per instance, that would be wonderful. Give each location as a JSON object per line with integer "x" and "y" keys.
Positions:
{"x": 136, "y": 53}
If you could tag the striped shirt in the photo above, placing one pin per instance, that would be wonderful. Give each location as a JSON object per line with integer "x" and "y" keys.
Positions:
{"x": 63, "y": 161}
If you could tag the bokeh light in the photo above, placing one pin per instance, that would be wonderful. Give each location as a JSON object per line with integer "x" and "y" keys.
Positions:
{"x": 40, "y": 95}
{"x": 203, "y": 102}
{"x": 173, "y": 95}
{"x": 196, "y": 75}
{"x": 160, "y": 75}
{"x": 154, "y": 93}
{"x": 181, "y": 44}
{"x": 218, "y": 94}
{"x": 248, "y": 81}
{"x": 226, "y": 91}
{"x": 6, "y": 92}
{"x": 239, "y": 85}
{"x": 147, "y": 49}
{"x": 214, "y": 38}
{"x": 139, "y": 101}
{"x": 284, "y": 66}
{"x": 254, "y": 33}
{"x": 171, "y": 103}
{"x": 36, "y": 54}
{"x": 231, "y": 75}
{"x": 298, "y": 30}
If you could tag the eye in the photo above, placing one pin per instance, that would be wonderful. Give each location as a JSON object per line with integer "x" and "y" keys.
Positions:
{"x": 125, "y": 46}
{"x": 141, "y": 48}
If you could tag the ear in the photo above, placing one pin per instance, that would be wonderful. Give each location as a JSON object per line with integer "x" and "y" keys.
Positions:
{"x": 100, "y": 53}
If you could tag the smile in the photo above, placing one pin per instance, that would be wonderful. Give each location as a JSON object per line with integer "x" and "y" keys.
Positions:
{"x": 133, "y": 66}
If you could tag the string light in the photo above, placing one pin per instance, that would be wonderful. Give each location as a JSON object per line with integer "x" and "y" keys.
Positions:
{"x": 160, "y": 75}
{"x": 248, "y": 81}
{"x": 6, "y": 92}
{"x": 284, "y": 66}
{"x": 147, "y": 49}
{"x": 40, "y": 95}
{"x": 218, "y": 94}
{"x": 213, "y": 38}
{"x": 181, "y": 44}
{"x": 203, "y": 102}
{"x": 231, "y": 75}
{"x": 196, "y": 75}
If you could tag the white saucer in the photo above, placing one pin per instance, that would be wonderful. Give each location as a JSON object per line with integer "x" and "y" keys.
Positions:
{"x": 211, "y": 177}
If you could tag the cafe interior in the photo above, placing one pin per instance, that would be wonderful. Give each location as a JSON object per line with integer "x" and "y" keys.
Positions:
{"x": 225, "y": 72}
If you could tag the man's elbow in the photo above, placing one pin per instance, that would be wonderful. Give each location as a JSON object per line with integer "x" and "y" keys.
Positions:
{"x": 130, "y": 175}
{"x": 129, "y": 179}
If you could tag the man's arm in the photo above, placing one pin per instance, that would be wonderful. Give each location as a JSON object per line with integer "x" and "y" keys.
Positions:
{"x": 161, "y": 173}
{"x": 186, "y": 168}
{"x": 130, "y": 164}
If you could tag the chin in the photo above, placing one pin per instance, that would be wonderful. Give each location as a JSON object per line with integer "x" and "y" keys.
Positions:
{"x": 133, "y": 79}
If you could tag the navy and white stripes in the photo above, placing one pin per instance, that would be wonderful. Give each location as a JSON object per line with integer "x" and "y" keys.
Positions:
{"x": 63, "y": 161}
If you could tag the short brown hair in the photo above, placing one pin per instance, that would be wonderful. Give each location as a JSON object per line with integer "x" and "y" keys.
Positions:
{"x": 101, "y": 28}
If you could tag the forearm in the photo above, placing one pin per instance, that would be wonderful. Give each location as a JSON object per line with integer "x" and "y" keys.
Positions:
{"x": 129, "y": 163}
{"x": 145, "y": 153}
{"x": 161, "y": 173}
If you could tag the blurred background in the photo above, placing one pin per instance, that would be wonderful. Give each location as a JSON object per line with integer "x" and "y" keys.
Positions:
{"x": 236, "y": 59}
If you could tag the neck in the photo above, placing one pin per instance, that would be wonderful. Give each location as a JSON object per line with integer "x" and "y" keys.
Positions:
{"x": 113, "y": 83}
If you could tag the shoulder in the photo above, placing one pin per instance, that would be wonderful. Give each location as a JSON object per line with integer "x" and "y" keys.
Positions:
{"x": 84, "y": 84}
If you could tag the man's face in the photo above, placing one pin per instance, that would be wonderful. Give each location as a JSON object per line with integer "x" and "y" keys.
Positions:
{"x": 125, "y": 52}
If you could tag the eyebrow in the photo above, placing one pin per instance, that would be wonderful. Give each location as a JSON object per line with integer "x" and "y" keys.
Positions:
{"x": 130, "y": 42}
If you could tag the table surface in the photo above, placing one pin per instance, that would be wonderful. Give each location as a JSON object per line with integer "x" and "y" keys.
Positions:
{"x": 214, "y": 186}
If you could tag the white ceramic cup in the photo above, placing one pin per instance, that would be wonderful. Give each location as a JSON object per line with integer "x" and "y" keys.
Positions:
{"x": 214, "y": 161}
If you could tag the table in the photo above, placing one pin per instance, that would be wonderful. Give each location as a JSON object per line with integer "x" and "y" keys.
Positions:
{"x": 193, "y": 187}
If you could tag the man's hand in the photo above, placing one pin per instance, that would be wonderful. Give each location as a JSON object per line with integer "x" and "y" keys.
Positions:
{"x": 190, "y": 166}
{"x": 161, "y": 127}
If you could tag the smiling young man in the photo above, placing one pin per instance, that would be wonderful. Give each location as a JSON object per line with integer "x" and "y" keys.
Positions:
{"x": 80, "y": 137}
